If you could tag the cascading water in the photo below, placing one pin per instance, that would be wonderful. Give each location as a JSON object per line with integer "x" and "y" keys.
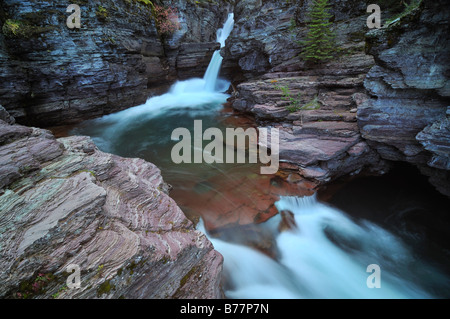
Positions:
{"x": 198, "y": 95}
{"x": 325, "y": 256}
{"x": 212, "y": 72}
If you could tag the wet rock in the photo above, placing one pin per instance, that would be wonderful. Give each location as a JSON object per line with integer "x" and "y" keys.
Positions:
{"x": 287, "y": 221}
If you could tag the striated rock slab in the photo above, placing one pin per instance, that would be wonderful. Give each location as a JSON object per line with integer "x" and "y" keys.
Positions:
{"x": 65, "y": 202}
{"x": 323, "y": 151}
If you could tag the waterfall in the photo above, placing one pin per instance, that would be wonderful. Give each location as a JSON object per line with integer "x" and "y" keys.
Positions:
{"x": 198, "y": 94}
{"x": 325, "y": 256}
{"x": 212, "y": 72}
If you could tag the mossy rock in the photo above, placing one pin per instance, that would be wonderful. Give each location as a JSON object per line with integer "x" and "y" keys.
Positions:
{"x": 20, "y": 29}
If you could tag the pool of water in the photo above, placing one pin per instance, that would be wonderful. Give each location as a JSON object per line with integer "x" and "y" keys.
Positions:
{"x": 277, "y": 239}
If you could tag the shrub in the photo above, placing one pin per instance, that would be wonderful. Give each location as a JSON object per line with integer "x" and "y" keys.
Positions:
{"x": 319, "y": 43}
{"x": 166, "y": 19}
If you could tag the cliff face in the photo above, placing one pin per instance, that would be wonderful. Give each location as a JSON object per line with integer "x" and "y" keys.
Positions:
{"x": 64, "y": 202}
{"x": 52, "y": 75}
{"x": 395, "y": 78}
{"x": 406, "y": 118}
{"x": 322, "y": 142}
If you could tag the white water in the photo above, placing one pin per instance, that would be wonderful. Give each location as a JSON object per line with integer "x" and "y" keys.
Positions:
{"x": 311, "y": 265}
{"x": 191, "y": 93}
{"x": 199, "y": 95}
{"x": 212, "y": 72}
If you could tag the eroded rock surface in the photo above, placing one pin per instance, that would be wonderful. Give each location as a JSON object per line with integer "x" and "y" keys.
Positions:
{"x": 53, "y": 75}
{"x": 65, "y": 202}
{"x": 322, "y": 141}
{"x": 406, "y": 117}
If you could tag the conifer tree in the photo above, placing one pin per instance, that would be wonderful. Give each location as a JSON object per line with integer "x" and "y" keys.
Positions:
{"x": 319, "y": 43}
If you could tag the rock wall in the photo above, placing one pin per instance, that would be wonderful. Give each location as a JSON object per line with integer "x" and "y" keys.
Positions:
{"x": 52, "y": 75}
{"x": 323, "y": 142}
{"x": 65, "y": 202}
{"x": 395, "y": 78}
{"x": 406, "y": 118}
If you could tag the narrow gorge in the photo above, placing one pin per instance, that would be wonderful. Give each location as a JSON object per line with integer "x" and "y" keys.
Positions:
{"x": 87, "y": 168}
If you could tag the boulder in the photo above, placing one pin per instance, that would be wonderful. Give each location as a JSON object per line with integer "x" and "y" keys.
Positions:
{"x": 64, "y": 202}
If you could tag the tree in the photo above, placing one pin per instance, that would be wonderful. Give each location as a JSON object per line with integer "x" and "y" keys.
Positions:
{"x": 319, "y": 43}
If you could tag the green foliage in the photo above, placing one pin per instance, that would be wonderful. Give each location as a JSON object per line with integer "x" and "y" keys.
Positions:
{"x": 60, "y": 290}
{"x": 19, "y": 29}
{"x": 101, "y": 13}
{"x": 319, "y": 43}
{"x": 34, "y": 287}
{"x": 11, "y": 27}
{"x": 294, "y": 102}
{"x": 312, "y": 105}
{"x": 414, "y": 4}
{"x": 146, "y": 2}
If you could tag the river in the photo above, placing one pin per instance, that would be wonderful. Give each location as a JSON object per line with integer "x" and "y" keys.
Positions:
{"x": 278, "y": 240}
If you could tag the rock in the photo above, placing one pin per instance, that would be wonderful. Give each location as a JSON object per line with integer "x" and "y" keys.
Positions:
{"x": 55, "y": 75}
{"x": 325, "y": 151}
{"x": 287, "y": 221}
{"x": 435, "y": 138}
{"x": 5, "y": 116}
{"x": 404, "y": 118}
{"x": 193, "y": 59}
{"x": 65, "y": 202}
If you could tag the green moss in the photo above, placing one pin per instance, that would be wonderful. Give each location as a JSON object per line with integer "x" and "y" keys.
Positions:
{"x": 187, "y": 276}
{"x": 312, "y": 105}
{"x": 105, "y": 288}
{"x": 20, "y": 29}
{"x": 33, "y": 287}
{"x": 102, "y": 13}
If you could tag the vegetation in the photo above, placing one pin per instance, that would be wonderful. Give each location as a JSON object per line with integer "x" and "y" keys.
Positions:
{"x": 101, "y": 13}
{"x": 166, "y": 19}
{"x": 34, "y": 287}
{"x": 294, "y": 101}
{"x": 319, "y": 43}
{"x": 414, "y": 4}
{"x": 19, "y": 29}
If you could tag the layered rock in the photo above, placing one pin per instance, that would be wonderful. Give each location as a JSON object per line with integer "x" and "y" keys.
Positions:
{"x": 65, "y": 202}
{"x": 406, "y": 117}
{"x": 54, "y": 75}
{"x": 321, "y": 141}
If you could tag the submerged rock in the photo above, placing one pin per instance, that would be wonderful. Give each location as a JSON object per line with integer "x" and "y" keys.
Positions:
{"x": 65, "y": 202}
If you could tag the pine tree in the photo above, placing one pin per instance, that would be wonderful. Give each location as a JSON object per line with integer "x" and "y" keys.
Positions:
{"x": 319, "y": 43}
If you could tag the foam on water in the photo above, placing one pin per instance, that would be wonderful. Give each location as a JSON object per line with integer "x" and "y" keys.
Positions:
{"x": 326, "y": 256}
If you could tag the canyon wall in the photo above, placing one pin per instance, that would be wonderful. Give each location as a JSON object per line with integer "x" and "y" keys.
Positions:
{"x": 53, "y": 75}
{"x": 407, "y": 115}
{"x": 383, "y": 98}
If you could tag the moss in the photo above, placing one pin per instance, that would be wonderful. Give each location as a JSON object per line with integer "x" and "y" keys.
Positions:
{"x": 187, "y": 276}
{"x": 20, "y": 29}
{"x": 102, "y": 13}
{"x": 33, "y": 287}
{"x": 105, "y": 288}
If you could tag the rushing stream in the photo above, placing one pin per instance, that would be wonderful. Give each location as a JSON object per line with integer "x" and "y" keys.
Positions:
{"x": 322, "y": 254}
